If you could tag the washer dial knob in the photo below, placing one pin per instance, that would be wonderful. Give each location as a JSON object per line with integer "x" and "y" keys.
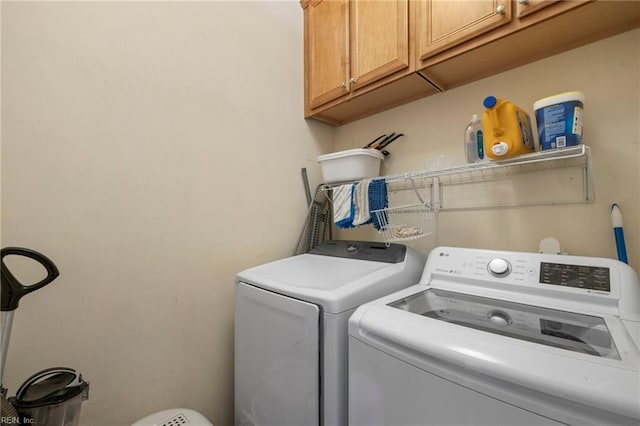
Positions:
{"x": 499, "y": 267}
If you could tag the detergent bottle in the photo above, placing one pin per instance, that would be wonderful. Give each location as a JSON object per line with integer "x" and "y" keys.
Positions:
{"x": 506, "y": 129}
{"x": 473, "y": 145}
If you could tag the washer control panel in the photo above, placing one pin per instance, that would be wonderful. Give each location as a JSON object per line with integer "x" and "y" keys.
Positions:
{"x": 552, "y": 272}
{"x": 480, "y": 264}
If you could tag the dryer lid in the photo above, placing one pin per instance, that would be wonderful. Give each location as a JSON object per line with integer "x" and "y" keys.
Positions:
{"x": 336, "y": 283}
{"x": 315, "y": 272}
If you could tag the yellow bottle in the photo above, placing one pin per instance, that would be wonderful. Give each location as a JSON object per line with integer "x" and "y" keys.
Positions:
{"x": 506, "y": 128}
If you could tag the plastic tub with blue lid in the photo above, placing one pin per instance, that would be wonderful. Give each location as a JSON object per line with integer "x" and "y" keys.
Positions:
{"x": 559, "y": 120}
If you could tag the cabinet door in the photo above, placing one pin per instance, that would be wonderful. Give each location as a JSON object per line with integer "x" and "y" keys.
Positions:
{"x": 379, "y": 40}
{"x": 526, "y": 7}
{"x": 328, "y": 50}
{"x": 446, "y": 23}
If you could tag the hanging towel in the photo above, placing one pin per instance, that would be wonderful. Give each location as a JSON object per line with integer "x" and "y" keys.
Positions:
{"x": 343, "y": 207}
{"x": 362, "y": 215}
{"x": 378, "y": 201}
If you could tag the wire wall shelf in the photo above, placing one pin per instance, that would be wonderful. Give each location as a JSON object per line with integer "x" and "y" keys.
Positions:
{"x": 550, "y": 164}
{"x": 558, "y": 176}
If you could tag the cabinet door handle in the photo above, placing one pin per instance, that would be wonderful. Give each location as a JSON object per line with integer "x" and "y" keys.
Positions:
{"x": 343, "y": 85}
{"x": 501, "y": 9}
{"x": 523, "y": 2}
{"x": 352, "y": 80}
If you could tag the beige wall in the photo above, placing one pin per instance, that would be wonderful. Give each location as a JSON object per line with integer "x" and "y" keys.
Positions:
{"x": 608, "y": 73}
{"x": 152, "y": 150}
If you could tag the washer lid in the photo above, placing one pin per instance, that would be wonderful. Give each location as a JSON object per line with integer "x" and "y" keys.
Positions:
{"x": 567, "y": 330}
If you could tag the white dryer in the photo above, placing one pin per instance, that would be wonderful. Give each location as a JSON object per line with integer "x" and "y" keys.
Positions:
{"x": 500, "y": 338}
{"x": 291, "y": 328}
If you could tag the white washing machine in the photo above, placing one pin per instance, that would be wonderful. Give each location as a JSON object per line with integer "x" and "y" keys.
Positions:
{"x": 291, "y": 328}
{"x": 500, "y": 338}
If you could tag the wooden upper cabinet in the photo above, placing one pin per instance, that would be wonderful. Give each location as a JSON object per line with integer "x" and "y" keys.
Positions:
{"x": 379, "y": 40}
{"x": 366, "y": 56}
{"x": 351, "y": 44}
{"x": 327, "y": 58}
{"x": 442, "y": 24}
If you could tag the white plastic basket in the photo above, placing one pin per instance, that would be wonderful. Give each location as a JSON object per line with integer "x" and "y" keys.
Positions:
{"x": 352, "y": 164}
{"x": 406, "y": 223}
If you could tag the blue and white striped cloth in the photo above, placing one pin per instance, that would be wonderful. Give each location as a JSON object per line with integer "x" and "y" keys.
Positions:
{"x": 343, "y": 208}
{"x": 353, "y": 204}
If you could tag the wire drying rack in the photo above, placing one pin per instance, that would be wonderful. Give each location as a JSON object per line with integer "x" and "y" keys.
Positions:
{"x": 405, "y": 223}
{"x": 404, "y": 219}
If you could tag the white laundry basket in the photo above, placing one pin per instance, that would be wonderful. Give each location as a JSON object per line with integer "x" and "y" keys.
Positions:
{"x": 174, "y": 417}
